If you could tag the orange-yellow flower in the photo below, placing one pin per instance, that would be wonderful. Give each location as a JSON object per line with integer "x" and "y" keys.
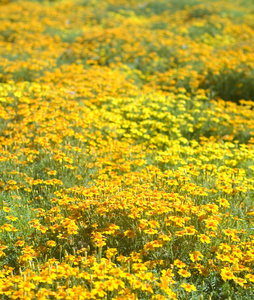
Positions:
{"x": 188, "y": 287}
{"x": 184, "y": 273}
{"x": 179, "y": 263}
{"x": 250, "y": 277}
{"x": 227, "y": 274}
{"x": 51, "y": 243}
{"x": 204, "y": 239}
{"x": 240, "y": 281}
{"x": 195, "y": 255}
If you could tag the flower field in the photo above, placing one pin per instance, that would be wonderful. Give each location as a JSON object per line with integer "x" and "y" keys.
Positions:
{"x": 127, "y": 149}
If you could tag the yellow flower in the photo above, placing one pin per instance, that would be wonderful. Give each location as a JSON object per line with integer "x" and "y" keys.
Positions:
{"x": 151, "y": 231}
{"x": 19, "y": 243}
{"x": 6, "y": 209}
{"x": 188, "y": 287}
{"x": 11, "y": 218}
{"x": 111, "y": 252}
{"x": 51, "y": 243}
{"x": 111, "y": 285}
{"x": 240, "y": 281}
{"x": 179, "y": 263}
{"x": 195, "y": 255}
{"x": 204, "y": 238}
{"x": 250, "y": 277}
{"x": 184, "y": 273}
{"x": 227, "y": 274}
{"x": 130, "y": 233}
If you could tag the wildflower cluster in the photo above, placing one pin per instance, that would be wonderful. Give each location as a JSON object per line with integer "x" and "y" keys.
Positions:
{"x": 125, "y": 172}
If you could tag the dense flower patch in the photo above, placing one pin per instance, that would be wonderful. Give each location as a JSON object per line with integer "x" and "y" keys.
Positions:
{"x": 125, "y": 171}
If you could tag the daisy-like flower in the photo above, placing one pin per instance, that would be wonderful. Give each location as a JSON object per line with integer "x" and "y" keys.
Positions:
{"x": 204, "y": 239}
{"x": 184, "y": 273}
{"x": 195, "y": 255}
{"x": 227, "y": 274}
{"x": 188, "y": 287}
{"x": 179, "y": 263}
{"x": 250, "y": 277}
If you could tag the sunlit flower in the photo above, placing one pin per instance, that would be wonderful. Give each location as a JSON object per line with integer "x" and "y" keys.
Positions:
{"x": 227, "y": 274}
{"x": 179, "y": 263}
{"x": 204, "y": 239}
{"x": 188, "y": 287}
{"x": 184, "y": 273}
{"x": 51, "y": 243}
